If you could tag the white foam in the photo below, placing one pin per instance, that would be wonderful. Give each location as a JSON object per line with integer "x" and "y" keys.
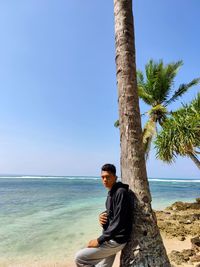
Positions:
{"x": 96, "y": 178}
{"x": 51, "y": 177}
{"x": 175, "y": 180}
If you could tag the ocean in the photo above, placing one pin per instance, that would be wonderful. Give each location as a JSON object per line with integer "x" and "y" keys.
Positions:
{"x": 47, "y": 219}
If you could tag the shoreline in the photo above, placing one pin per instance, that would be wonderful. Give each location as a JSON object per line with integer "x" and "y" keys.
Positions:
{"x": 178, "y": 224}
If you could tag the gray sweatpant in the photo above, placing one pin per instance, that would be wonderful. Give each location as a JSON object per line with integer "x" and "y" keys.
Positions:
{"x": 102, "y": 256}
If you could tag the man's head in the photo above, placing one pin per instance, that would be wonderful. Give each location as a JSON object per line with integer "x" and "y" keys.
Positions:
{"x": 108, "y": 175}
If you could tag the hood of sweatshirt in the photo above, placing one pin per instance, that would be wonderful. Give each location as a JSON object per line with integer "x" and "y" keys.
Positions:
{"x": 116, "y": 186}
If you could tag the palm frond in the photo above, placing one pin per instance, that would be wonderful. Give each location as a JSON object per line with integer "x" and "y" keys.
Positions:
{"x": 183, "y": 88}
{"x": 147, "y": 98}
{"x": 148, "y": 134}
{"x": 140, "y": 77}
{"x": 164, "y": 147}
{"x": 180, "y": 135}
{"x": 116, "y": 124}
{"x": 195, "y": 104}
{"x": 159, "y": 79}
{"x": 155, "y": 89}
{"x": 195, "y": 159}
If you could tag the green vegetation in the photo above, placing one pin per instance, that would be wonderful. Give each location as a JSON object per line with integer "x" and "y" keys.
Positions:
{"x": 156, "y": 90}
{"x": 180, "y": 134}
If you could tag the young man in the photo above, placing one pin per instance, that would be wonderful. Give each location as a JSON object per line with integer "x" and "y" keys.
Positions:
{"x": 115, "y": 221}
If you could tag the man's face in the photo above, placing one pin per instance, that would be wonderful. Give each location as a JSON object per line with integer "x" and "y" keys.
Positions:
{"x": 108, "y": 179}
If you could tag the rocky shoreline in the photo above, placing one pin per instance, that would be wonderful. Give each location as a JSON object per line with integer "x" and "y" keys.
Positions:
{"x": 180, "y": 221}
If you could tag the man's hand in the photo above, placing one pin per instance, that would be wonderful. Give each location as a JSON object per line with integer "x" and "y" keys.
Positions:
{"x": 103, "y": 218}
{"x": 93, "y": 243}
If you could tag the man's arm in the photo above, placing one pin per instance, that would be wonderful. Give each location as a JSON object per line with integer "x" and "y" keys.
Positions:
{"x": 121, "y": 209}
{"x": 103, "y": 219}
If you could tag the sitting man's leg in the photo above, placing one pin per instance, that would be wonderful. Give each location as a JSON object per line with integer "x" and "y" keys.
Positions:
{"x": 102, "y": 256}
{"x": 107, "y": 261}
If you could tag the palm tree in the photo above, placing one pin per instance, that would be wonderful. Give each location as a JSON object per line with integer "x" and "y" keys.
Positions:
{"x": 156, "y": 90}
{"x": 181, "y": 134}
{"x": 146, "y": 247}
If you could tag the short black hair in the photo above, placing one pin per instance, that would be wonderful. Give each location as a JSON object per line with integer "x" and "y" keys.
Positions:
{"x": 109, "y": 168}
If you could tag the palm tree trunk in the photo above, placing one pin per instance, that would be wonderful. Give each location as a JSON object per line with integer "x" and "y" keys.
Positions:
{"x": 194, "y": 159}
{"x": 146, "y": 248}
{"x": 147, "y": 135}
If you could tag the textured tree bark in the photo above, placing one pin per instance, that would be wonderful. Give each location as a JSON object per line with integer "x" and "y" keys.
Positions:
{"x": 146, "y": 248}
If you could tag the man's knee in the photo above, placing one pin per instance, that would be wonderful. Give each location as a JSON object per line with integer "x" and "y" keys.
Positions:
{"x": 78, "y": 257}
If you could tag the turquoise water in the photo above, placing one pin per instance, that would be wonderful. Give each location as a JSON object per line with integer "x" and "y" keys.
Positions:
{"x": 49, "y": 218}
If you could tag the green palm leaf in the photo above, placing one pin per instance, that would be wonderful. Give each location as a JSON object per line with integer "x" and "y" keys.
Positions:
{"x": 148, "y": 134}
{"x": 195, "y": 105}
{"x": 159, "y": 80}
{"x": 180, "y": 134}
{"x": 155, "y": 88}
{"x": 181, "y": 90}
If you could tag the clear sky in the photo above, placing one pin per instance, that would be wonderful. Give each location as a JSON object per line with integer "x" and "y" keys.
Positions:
{"x": 58, "y": 98}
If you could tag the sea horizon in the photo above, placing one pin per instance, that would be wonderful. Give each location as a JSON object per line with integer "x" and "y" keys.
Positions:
{"x": 86, "y": 176}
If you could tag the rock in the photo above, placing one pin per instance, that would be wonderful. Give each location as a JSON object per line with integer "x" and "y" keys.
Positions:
{"x": 179, "y": 205}
{"x": 183, "y": 257}
{"x": 196, "y": 217}
{"x": 177, "y": 257}
{"x": 181, "y": 238}
{"x": 196, "y": 243}
{"x": 188, "y": 222}
{"x": 195, "y": 258}
{"x": 180, "y": 219}
{"x": 188, "y": 252}
{"x": 198, "y": 200}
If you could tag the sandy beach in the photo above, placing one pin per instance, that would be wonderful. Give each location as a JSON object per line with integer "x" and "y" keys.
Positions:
{"x": 170, "y": 244}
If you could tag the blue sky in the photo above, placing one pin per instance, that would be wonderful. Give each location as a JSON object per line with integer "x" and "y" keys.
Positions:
{"x": 58, "y": 98}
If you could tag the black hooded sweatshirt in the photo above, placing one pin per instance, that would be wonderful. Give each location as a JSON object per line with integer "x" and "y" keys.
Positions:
{"x": 118, "y": 208}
